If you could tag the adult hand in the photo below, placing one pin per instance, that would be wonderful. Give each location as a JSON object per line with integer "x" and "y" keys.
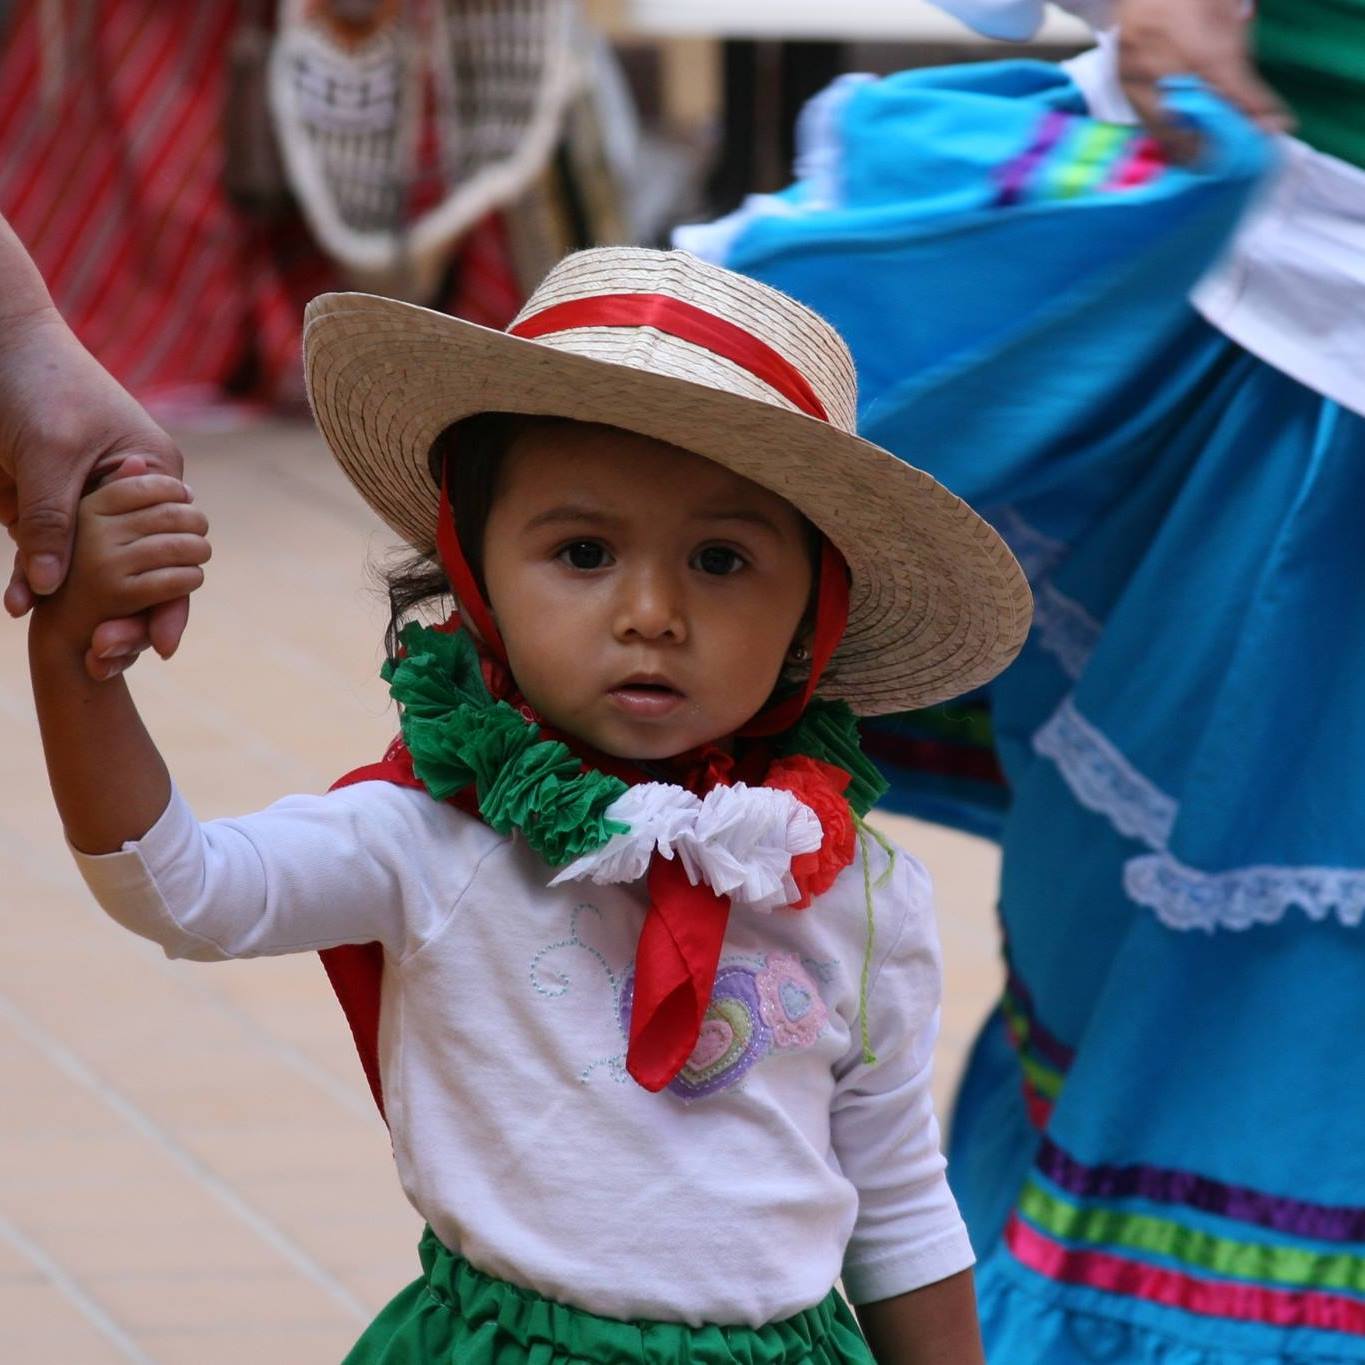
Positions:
{"x": 66, "y": 423}
{"x": 1204, "y": 38}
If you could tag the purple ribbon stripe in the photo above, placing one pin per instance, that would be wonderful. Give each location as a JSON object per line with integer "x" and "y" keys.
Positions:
{"x": 1296, "y": 1217}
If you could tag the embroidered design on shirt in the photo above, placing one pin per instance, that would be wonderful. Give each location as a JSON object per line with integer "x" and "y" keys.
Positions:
{"x": 789, "y": 1002}
{"x": 759, "y": 1005}
{"x": 774, "y": 1006}
{"x": 553, "y": 981}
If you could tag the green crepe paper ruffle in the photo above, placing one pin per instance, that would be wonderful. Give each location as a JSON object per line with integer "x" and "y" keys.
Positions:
{"x": 828, "y": 731}
{"x": 459, "y": 735}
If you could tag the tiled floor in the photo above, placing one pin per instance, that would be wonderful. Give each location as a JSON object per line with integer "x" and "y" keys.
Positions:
{"x": 191, "y": 1170}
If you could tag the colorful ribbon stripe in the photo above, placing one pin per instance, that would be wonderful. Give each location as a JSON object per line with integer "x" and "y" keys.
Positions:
{"x": 1159, "y": 1185}
{"x": 1176, "y": 1289}
{"x": 1043, "y": 1059}
{"x": 1061, "y": 1230}
{"x": 1069, "y": 1230}
{"x": 1294, "y": 1267}
{"x": 1069, "y": 156}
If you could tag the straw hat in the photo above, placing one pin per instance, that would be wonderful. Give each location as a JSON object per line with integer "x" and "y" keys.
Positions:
{"x": 668, "y": 346}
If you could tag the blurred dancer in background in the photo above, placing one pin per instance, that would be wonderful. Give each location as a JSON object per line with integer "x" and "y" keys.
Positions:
{"x": 1160, "y": 392}
{"x": 187, "y": 177}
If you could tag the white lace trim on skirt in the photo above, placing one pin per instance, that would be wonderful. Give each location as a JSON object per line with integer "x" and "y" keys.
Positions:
{"x": 1102, "y": 780}
{"x": 1185, "y": 898}
{"x": 1065, "y": 629}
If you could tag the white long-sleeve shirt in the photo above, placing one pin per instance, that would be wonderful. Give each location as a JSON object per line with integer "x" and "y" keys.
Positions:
{"x": 778, "y": 1160}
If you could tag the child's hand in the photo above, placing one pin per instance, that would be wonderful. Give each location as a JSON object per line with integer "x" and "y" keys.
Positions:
{"x": 139, "y": 542}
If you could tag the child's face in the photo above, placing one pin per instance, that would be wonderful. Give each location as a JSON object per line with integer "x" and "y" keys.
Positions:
{"x": 646, "y": 596}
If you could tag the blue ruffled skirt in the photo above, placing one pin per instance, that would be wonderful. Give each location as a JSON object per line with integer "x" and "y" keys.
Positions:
{"x": 1160, "y": 1141}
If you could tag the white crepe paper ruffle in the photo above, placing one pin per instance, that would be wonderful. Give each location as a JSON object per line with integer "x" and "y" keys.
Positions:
{"x": 739, "y": 841}
{"x": 659, "y": 816}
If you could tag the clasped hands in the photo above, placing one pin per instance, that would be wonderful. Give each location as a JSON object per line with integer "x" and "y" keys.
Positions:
{"x": 140, "y": 543}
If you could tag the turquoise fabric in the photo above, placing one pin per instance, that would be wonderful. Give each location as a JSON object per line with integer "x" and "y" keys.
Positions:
{"x": 1183, "y": 736}
{"x": 456, "y": 1315}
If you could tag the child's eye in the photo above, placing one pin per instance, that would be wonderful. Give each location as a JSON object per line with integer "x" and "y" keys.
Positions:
{"x": 719, "y": 560}
{"x": 584, "y": 554}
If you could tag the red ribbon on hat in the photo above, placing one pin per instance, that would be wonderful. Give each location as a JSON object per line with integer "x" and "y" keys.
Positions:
{"x": 687, "y": 322}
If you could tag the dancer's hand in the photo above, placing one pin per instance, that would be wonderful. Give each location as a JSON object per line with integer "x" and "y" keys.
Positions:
{"x": 1204, "y": 38}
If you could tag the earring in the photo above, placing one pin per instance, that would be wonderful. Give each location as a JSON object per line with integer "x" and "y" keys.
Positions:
{"x": 798, "y": 654}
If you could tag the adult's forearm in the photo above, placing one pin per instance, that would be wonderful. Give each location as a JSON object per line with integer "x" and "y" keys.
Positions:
{"x": 22, "y": 290}
{"x": 107, "y": 776}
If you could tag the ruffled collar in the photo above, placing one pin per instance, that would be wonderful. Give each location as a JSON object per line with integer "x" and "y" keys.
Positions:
{"x": 465, "y": 725}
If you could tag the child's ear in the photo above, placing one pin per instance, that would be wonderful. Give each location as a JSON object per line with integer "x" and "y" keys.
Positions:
{"x": 796, "y": 661}
{"x": 466, "y": 619}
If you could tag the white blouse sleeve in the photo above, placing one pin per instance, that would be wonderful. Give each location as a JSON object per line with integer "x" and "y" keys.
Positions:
{"x": 369, "y": 862}
{"x": 1019, "y": 20}
{"x": 908, "y": 1232}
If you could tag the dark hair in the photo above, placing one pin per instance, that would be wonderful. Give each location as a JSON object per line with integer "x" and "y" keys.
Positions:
{"x": 416, "y": 583}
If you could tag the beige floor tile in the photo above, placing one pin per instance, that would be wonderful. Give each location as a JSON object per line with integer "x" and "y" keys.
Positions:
{"x": 148, "y": 1305}
{"x": 38, "y": 1326}
{"x": 264, "y": 1152}
{"x": 14, "y": 1266}
{"x": 130, "y": 1227}
{"x": 378, "y": 1283}
{"x": 965, "y": 872}
{"x": 248, "y": 1344}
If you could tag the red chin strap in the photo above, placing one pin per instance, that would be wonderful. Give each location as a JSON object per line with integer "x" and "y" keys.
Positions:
{"x": 472, "y": 606}
{"x": 831, "y": 620}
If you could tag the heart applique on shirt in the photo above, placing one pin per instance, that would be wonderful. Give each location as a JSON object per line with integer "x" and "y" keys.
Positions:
{"x": 754, "y": 1011}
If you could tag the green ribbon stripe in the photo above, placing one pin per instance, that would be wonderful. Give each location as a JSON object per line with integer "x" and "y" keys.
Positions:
{"x": 1046, "y": 1080}
{"x": 1090, "y": 160}
{"x": 1294, "y": 1267}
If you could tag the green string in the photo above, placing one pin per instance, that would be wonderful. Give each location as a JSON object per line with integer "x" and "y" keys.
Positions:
{"x": 864, "y": 829}
{"x": 886, "y": 846}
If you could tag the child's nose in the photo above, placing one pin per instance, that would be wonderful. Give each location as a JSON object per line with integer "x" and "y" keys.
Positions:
{"x": 650, "y": 607}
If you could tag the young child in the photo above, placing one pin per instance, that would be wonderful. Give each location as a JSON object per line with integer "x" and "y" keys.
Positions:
{"x": 649, "y": 1011}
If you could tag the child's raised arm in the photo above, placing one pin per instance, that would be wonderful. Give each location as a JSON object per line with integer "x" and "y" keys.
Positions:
{"x": 139, "y": 542}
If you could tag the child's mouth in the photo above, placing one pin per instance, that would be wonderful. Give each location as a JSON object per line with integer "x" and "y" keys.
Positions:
{"x": 646, "y": 698}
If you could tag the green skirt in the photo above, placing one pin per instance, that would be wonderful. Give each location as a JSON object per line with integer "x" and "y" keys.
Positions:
{"x": 456, "y": 1315}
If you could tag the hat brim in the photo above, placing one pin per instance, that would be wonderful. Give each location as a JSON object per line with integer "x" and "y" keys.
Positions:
{"x": 937, "y": 605}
